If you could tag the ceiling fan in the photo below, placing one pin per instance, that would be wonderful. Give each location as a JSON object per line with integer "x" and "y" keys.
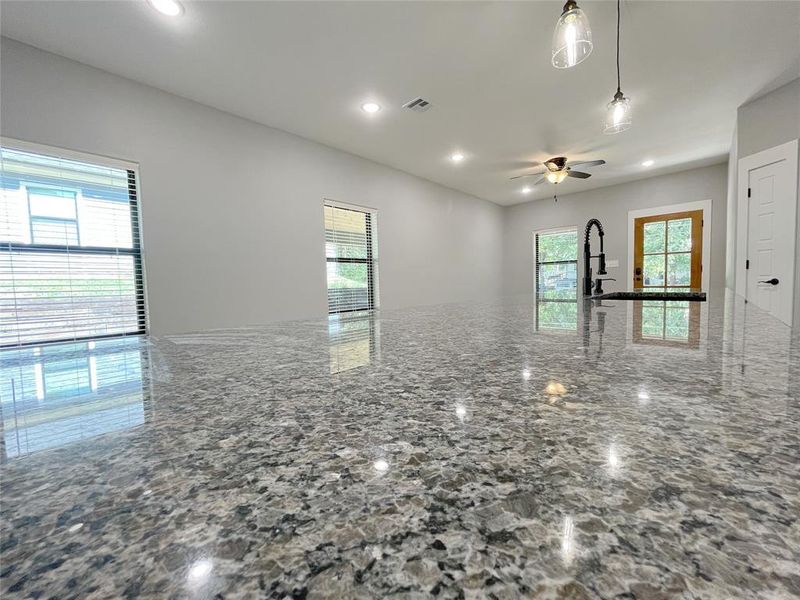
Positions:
{"x": 558, "y": 169}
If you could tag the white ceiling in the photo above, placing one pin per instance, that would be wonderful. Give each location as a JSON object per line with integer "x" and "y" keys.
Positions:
{"x": 306, "y": 67}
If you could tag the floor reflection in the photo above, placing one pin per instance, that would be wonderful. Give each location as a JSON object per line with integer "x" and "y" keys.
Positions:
{"x": 353, "y": 340}
{"x": 556, "y": 314}
{"x": 666, "y": 323}
{"x": 58, "y": 394}
{"x": 594, "y": 326}
{"x": 568, "y": 541}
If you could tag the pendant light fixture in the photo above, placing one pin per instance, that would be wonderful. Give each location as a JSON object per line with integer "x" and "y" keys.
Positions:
{"x": 618, "y": 112}
{"x": 572, "y": 38}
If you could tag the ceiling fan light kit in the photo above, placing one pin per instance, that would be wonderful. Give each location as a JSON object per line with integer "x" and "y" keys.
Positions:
{"x": 572, "y": 38}
{"x": 557, "y": 176}
{"x": 557, "y": 169}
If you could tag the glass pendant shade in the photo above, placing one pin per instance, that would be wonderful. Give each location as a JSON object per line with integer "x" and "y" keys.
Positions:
{"x": 572, "y": 38}
{"x": 556, "y": 176}
{"x": 618, "y": 114}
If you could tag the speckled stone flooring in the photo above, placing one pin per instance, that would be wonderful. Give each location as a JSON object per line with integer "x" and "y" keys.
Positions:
{"x": 561, "y": 450}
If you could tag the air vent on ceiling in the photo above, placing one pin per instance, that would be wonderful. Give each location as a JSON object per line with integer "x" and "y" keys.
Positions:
{"x": 417, "y": 105}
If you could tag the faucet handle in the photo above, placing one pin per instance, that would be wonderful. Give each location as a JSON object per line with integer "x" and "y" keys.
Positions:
{"x": 598, "y": 284}
{"x": 601, "y": 266}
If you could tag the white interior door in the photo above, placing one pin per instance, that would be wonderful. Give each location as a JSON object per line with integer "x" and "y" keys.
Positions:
{"x": 771, "y": 238}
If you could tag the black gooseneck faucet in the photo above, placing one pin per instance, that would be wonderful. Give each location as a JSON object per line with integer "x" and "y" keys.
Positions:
{"x": 587, "y": 256}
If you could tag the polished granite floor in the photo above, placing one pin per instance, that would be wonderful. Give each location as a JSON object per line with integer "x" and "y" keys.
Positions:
{"x": 627, "y": 450}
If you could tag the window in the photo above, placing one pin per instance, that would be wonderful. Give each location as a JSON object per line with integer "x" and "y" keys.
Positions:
{"x": 350, "y": 251}
{"x": 556, "y": 259}
{"x": 70, "y": 256}
{"x": 668, "y": 250}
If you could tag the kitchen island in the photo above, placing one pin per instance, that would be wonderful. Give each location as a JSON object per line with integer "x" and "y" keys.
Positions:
{"x": 548, "y": 450}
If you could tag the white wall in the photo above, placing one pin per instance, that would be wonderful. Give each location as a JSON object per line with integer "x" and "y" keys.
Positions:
{"x": 611, "y": 205}
{"x": 232, "y": 210}
{"x": 770, "y": 120}
{"x": 730, "y": 225}
{"x": 763, "y": 123}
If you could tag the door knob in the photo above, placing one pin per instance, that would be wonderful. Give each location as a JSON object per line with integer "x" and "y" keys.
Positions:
{"x": 773, "y": 281}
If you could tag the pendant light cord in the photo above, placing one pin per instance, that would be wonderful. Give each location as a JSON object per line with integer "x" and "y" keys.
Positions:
{"x": 618, "y": 80}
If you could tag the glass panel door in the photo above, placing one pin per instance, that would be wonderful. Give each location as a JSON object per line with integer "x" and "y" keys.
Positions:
{"x": 668, "y": 250}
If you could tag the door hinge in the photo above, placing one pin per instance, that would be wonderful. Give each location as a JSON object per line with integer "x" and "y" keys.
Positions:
{"x": 747, "y": 264}
{"x": 748, "y": 192}
{"x": 702, "y": 222}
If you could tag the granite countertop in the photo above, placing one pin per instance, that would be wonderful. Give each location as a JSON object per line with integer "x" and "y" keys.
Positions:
{"x": 558, "y": 450}
{"x": 653, "y": 293}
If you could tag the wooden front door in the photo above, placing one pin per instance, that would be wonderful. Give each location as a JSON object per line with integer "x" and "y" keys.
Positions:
{"x": 668, "y": 250}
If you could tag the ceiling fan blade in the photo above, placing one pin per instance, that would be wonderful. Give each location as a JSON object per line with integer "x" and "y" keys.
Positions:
{"x": 578, "y": 174}
{"x": 540, "y": 180}
{"x": 587, "y": 163}
{"x": 528, "y": 175}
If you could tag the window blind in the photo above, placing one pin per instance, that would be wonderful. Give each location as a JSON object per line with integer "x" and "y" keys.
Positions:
{"x": 351, "y": 254}
{"x": 70, "y": 252}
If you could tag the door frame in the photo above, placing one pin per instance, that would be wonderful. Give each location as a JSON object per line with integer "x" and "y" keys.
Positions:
{"x": 704, "y": 205}
{"x": 787, "y": 152}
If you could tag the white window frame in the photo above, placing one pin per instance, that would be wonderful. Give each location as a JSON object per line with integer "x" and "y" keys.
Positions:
{"x": 373, "y": 285}
{"x": 99, "y": 159}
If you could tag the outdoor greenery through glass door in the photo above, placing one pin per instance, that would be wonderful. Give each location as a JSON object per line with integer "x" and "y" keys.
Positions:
{"x": 668, "y": 253}
{"x": 668, "y": 250}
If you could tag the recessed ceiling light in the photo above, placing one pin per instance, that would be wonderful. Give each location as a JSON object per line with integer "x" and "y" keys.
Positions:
{"x": 171, "y": 8}
{"x": 526, "y": 190}
{"x": 648, "y": 163}
{"x": 457, "y": 157}
{"x": 370, "y": 107}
